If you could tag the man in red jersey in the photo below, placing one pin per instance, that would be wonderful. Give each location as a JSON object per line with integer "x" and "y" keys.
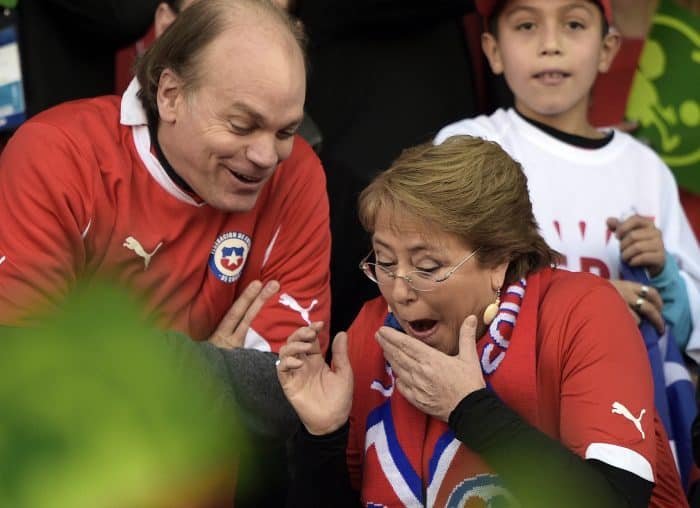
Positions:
{"x": 191, "y": 189}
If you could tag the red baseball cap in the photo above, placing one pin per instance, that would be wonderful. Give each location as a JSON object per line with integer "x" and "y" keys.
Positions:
{"x": 486, "y": 8}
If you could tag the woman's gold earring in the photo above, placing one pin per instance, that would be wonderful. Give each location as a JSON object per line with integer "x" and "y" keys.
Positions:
{"x": 492, "y": 309}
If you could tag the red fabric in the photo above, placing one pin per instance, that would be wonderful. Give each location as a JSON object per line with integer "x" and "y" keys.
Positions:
{"x": 486, "y": 7}
{"x": 126, "y": 58}
{"x": 585, "y": 353}
{"x": 73, "y": 199}
{"x": 691, "y": 205}
{"x": 611, "y": 90}
{"x": 472, "y": 34}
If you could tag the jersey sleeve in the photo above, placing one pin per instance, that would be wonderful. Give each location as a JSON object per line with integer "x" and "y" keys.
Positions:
{"x": 607, "y": 399}
{"x": 44, "y": 215}
{"x": 681, "y": 244}
{"x": 298, "y": 256}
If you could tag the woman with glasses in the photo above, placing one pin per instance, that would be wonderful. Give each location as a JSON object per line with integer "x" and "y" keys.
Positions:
{"x": 483, "y": 375}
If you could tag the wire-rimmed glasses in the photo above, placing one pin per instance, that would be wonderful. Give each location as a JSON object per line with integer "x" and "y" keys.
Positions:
{"x": 417, "y": 279}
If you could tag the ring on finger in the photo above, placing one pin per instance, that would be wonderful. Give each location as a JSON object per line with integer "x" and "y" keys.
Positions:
{"x": 638, "y": 304}
{"x": 643, "y": 291}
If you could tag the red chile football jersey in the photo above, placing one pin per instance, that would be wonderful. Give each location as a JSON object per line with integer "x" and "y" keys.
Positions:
{"x": 82, "y": 195}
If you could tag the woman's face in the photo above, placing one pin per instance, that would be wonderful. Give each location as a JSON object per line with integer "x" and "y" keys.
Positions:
{"x": 403, "y": 245}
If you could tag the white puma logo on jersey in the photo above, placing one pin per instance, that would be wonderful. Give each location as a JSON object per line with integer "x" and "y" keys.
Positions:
{"x": 132, "y": 243}
{"x": 2, "y": 259}
{"x": 290, "y": 302}
{"x": 619, "y": 409}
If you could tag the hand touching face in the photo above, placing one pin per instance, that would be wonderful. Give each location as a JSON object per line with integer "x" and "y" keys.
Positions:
{"x": 429, "y": 379}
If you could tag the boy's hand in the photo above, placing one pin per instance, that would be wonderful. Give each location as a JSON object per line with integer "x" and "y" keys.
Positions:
{"x": 641, "y": 243}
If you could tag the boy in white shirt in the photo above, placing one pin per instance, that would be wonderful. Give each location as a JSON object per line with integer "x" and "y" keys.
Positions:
{"x": 599, "y": 196}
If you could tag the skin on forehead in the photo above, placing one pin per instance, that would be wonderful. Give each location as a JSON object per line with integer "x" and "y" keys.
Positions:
{"x": 259, "y": 44}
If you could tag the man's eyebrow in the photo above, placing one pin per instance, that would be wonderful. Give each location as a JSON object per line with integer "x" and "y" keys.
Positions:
{"x": 245, "y": 108}
{"x": 259, "y": 118}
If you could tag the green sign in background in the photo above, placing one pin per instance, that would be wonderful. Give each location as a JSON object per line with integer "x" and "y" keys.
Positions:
{"x": 665, "y": 96}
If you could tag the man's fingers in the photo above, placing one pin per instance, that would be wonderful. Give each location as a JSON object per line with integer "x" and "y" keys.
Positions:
{"x": 254, "y": 305}
{"x": 234, "y": 325}
{"x": 235, "y": 313}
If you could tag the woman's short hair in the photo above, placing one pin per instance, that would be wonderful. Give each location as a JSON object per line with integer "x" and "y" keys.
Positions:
{"x": 181, "y": 46}
{"x": 467, "y": 187}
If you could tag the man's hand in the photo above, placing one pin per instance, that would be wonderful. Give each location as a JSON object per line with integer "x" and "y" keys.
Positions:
{"x": 641, "y": 243}
{"x": 234, "y": 326}
{"x": 429, "y": 379}
{"x": 321, "y": 396}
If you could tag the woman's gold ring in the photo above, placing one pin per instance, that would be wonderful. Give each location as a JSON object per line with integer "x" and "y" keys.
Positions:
{"x": 638, "y": 304}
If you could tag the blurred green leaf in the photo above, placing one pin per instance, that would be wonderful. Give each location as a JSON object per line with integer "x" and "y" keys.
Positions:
{"x": 97, "y": 409}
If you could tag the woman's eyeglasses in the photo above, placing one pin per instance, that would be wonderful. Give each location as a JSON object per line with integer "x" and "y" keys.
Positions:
{"x": 417, "y": 279}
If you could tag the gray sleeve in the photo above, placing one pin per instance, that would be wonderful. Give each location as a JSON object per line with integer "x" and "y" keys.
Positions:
{"x": 249, "y": 379}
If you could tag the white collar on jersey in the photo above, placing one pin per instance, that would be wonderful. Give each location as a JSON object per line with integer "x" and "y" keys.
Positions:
{"x": 132, "y": 112}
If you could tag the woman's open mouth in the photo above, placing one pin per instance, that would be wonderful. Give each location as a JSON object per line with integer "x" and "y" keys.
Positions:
{"x": 422, "y": 328}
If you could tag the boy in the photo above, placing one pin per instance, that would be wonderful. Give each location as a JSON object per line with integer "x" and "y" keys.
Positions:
{"x": 598, "y": 196}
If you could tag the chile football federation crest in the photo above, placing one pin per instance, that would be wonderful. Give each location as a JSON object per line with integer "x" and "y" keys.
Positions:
{"x": 228, "y": 256}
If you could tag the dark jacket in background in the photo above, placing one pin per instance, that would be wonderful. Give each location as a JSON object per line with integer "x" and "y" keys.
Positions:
{"x": 384, "y": 75}
{"x": 67, "y": 47}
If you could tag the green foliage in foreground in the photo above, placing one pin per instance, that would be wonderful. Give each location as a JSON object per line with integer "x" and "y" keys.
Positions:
{"x": 98, "y": 409}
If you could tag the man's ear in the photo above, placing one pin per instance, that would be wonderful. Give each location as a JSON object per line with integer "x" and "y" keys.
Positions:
{"x": 163, "y": 18}
{"x": 489, "y": 44}
{"x": 608, "y": 50}
{"x": 170, "y": 93}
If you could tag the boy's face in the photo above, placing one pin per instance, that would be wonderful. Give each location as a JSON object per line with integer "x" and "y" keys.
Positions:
{"x": 550, "y": 52}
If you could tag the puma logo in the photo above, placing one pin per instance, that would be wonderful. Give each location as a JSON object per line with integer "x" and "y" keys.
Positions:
{"x": 2, "y": 259}
{"x": 290, "y": 302}
{"x": 619, "y": 409}
{"x": 132, "y": 243}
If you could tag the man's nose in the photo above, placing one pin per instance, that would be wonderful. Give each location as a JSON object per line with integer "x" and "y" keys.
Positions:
{"x": 262, "y": 151}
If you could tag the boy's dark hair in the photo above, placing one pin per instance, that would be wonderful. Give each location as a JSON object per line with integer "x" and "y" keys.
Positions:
{"x": 175, "y": 5}
{"x": 493, "y": 19}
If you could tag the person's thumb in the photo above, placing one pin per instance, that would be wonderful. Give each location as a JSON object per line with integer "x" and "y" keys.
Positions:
{"x": 341, "y": 362}
{"x": 467, "y": 339}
